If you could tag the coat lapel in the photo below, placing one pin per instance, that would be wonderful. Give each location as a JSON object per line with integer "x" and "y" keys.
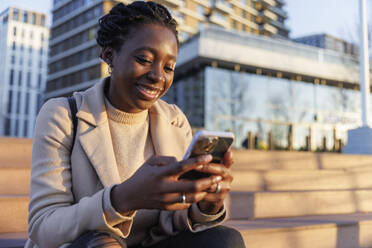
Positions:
{"x": 95, "y": 138}
{"x": 168, "y": 139}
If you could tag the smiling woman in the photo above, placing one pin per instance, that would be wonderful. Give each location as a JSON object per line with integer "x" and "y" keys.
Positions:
{"x": 113, "y": 180}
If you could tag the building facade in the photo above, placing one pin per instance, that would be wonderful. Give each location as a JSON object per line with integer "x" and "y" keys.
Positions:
{"x": 24, "y": 53}
{"x": 269, "y": 87}
{"x": 74, "y": 63}
{"x": 330, "y": 42}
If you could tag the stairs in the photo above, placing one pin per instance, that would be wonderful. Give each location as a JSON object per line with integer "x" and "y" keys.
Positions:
{"x": 298, "y": 199}
{"x": 15, "y": 160}
{"x": 278, "y": 199}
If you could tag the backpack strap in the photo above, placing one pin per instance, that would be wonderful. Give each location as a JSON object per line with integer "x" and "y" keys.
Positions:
{"x": 73, "y": 108}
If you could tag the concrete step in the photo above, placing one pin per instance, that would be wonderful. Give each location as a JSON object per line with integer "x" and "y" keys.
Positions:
{"x": 13, "y": 240}
{"x": 15, "y": 152}
{"x": 298, "y": 180}
{"x": 13, "y": 214}
{"x": 251, "y": 205}
{"x": 14, "y": 181}
{"x": 331, "y": 231}
{"x": 281, "y": 160}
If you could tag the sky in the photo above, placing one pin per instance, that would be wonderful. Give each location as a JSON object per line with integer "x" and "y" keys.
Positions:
{"x": 336, "y": 17}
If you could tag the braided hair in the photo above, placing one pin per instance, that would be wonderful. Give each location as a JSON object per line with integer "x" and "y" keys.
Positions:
{"x": 116, "y": 26}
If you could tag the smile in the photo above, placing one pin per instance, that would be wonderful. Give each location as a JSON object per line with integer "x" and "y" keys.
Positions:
{"x": 148, "y": 92}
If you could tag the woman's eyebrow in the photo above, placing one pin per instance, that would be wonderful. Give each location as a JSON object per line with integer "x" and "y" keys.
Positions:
{"x": 152, "y": 50}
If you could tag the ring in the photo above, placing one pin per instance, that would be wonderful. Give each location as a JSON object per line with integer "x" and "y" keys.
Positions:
{"x": 183, "y": 198}
{"x": 218, "y": 189}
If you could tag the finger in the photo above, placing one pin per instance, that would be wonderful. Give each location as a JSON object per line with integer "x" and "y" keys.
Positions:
{"x": 215, "y": 169}
{"x": 173, "y": 198}
{"x": 224, "y": 187}
{"x": 214, "y": 198}
{"x": 161, "y": 160}
{"x": 228, "y": 159}
{"x": 190, "y": 186}
{"x": 178, "y": 168}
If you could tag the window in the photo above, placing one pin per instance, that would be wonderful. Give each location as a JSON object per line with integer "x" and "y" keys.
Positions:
{"x": 200, "y": 9}
{"x": 15, "y": 14}
{"x": 18, "y": 103}
{"x": 28, "y": 79}
{"x": 20, "y": 78}
{"x": 11, "y": 79}
{"x": 15, "y": 31}
{"x": 25, "y": 17}
{"x": 5, "y": 20}
{"x": 10, "y": 98}
{"x": 39, "y": 81}
{"x": 33, "y": 18}
{"x": 13, "y": 45}
{"x": 25, "y": 127}
{"x": 43, "y": 20}
{"x": 7, "y": 126}
{"x": 27, "y": 103}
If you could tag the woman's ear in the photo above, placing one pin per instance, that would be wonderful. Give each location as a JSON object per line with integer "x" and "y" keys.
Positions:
{"x": 107, "y": 55}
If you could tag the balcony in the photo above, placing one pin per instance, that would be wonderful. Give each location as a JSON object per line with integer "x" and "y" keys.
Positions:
{"x": 222, "y": 6}
{"x": 279, "y": 25}
{"x": 279, "y": 11}
{"x": 216, "y": 19}
{"x": 271, "y": 3}
{"x": 268, "y": 15}
{"x": 269, "y": 28}
{"x": 173, "y": 3}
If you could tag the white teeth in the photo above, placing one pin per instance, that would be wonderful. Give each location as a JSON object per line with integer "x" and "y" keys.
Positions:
{"x": 149, "y": 91}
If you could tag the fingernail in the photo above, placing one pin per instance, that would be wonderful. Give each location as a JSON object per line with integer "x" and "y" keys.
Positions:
{"x": 207, "y": 157}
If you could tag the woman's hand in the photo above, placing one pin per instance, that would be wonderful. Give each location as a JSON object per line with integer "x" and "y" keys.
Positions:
{"x": 214, "y": 201}
{"x": 156, "y": 186}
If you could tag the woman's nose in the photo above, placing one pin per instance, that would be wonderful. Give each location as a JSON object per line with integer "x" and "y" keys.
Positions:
{"x": 156, "y": 75}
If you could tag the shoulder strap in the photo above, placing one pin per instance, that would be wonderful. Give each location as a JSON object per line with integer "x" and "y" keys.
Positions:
{"x": 73, "y": 108}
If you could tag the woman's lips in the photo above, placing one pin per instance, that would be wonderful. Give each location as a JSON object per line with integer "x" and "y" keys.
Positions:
{"x": 148, "y": 92}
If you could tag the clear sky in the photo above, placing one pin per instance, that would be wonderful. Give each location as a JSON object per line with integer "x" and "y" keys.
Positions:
{"x": 336, "y": 17}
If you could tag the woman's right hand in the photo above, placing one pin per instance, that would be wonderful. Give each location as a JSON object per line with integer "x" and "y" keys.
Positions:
{"x": 156, "y": 186}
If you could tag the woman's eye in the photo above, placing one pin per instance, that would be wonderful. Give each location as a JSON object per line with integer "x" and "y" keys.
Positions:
{"x": 143, "y": 60}
{"x": 169, "y": 69}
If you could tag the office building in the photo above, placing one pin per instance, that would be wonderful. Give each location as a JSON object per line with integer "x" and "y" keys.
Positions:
{"x": 24, "y": 52}
{"x": 329, "y": 42}
{"x": 228, "y": 80}
{"x": 74, "y": 64}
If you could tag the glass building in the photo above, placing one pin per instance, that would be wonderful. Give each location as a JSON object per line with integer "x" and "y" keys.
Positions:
{"x": 300, "y": 95}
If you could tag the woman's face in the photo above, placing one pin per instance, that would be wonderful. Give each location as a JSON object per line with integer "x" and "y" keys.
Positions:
{"x": 143, "y": 69}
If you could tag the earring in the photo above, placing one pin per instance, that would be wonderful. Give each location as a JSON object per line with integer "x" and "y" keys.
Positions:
{"x": 109, "y": 69}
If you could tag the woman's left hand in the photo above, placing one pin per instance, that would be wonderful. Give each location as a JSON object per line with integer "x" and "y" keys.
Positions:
{"x": 213, "y": 201}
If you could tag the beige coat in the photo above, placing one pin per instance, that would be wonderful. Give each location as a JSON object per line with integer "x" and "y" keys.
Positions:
{"x": 68, "y": 188}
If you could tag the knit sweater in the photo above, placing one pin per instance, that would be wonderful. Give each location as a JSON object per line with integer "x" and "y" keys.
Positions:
{"x": 137, "y": 147}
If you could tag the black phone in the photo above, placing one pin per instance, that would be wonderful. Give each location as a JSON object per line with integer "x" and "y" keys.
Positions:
{"x": 207, "y": 142}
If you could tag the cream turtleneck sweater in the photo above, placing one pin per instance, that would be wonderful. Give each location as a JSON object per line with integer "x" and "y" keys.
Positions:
{"x": 131, "y": 139}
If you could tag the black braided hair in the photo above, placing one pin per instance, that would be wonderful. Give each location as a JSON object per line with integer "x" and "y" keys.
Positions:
{"x": 115, "y": 27}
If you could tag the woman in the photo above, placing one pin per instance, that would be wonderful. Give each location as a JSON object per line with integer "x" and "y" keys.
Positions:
{"x": 116, "y": 184}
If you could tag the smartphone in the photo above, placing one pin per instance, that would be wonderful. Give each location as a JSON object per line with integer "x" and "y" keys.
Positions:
{"x": 207, "y": 142}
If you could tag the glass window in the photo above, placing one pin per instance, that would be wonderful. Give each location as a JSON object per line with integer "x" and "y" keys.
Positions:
{"x": 28, "y": 79}
{"x": 27, "y": 103}
{"x": 25, "y": 17}
{"x": 13, "y": 45}
{"x": 18, "y": 103}
{"x": 25, "y": 127}
{"x": 11, "y": 79}
{"x": 15, "y": 31}
{"x": 19, "y": 78}
{"x": 10, "y": 102}
{"x": 43, "y": 20}
{"x": 33, "y": 18}
{"x": 15, "y": 14}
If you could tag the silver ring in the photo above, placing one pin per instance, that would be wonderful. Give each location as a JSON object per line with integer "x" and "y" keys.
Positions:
{"x": 218, "y": 189}
{"x": 183, "y": 198}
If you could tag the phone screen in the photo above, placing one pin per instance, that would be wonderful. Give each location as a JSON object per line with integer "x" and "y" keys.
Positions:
{"x": 214, "y": 145}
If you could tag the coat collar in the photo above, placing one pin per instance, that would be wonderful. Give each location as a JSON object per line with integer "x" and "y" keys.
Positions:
{"x": 96, "y": 140}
